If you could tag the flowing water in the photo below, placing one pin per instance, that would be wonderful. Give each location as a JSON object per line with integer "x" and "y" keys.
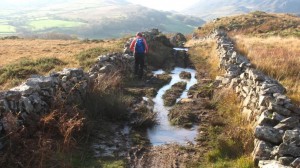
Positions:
{"x": 164, "y": 132}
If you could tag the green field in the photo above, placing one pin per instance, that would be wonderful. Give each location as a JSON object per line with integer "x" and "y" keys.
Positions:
{"x": 7, "y": 29}
{"x": 3, "y": 21}
{"x": 39, "y": 25}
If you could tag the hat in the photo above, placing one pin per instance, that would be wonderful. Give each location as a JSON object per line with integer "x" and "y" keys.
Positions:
{"x": 139, "y": 34}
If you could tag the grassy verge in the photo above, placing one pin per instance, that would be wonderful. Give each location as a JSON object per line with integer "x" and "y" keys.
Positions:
{"x": 173, "y": 93}
{"x": 276, "y": 57}
{"x": 228, "y": 136}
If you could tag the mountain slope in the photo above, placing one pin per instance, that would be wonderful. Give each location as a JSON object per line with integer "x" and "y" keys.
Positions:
{"x": 255, "y": 23}
{"x": 216, "y": 8}
{"x": 90, "y": 19}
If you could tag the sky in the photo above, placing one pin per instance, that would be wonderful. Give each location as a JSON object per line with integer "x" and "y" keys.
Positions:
{"x": 167, "y": 5}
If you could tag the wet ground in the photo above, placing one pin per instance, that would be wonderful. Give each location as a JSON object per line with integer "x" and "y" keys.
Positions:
{"x": 164, "y": 132}
{"x": 164, "y": 145}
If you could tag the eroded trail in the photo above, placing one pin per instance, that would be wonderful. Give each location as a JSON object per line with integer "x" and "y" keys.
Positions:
{"x": 171, "y": 146}
{"x": 165, "y": 132}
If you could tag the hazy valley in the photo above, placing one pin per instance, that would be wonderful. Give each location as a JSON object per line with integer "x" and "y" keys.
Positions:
{"x": 90, "y": 19}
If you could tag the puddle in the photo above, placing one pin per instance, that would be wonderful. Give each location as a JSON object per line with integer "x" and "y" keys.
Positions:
{"x": 164, "y": 132}
{"x": 181, "y": 49}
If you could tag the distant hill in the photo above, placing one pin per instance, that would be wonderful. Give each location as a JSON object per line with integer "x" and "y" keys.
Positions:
{"x": 217, "y": 8}
{"x": 89, "y": 19}
{"x": 255, "y": 23}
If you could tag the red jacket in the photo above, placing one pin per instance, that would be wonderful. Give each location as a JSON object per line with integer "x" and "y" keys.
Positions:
{"x": 132, "y": 45}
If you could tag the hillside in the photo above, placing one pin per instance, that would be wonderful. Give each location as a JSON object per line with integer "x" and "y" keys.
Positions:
{"x": 256, "y": 23}
{"x": 219, "y": 8}
{"x": 91, "y": 19}
{"x": 271, "y": 41}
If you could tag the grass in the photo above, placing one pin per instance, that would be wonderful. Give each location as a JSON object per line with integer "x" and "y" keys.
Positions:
{"x": 25, "y": 67}
{"x": 230, "y": 136}
{"x": 73, "y": 53}
{"x": 277, "y": 57}
{"x": 229, "y": 139}
{"x": 105, "y": 100}
{"x": 38, "y": 25}
{"x": 203, "y": 55}
{"x": 183, "y": 115}
{"x": 86, "y": 159}
{"x": 7, "y": 29}
{"x": 62, "y": 49}
{"x": 87, "y": 57}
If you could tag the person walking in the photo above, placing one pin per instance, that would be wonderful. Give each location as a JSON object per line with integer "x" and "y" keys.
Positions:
{"x": 139, "y": 47}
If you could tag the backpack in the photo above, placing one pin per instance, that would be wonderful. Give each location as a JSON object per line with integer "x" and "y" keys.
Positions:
{"x": 139, "y": 46}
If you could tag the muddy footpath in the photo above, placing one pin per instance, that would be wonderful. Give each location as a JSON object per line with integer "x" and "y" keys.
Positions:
{"x": 171, "y": 132}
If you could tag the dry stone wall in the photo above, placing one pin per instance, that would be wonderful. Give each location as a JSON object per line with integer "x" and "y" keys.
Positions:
{"x": 69, "y": 86}
{"x": 274, "y": 117}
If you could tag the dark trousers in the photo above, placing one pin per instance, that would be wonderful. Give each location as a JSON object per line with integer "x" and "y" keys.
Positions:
{"x": 139, "y": 64}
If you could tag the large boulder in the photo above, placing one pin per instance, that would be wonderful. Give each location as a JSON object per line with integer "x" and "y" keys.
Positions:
{"x": 178, "y": 39}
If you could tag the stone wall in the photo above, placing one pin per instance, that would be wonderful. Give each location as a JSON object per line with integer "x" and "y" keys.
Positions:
{"x": 274, "y": 117}
{"x": 69, "y": 86}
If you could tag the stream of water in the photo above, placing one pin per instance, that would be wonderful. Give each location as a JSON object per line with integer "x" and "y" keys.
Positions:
{"x": 164, "y": 132}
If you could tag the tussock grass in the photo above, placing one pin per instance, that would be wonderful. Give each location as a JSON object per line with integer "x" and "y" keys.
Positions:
{"x": 145, "y": 118}
{"x": 173, "y": 93}
{"x": 277, "y": 57}
{"x": 105, "y": 100}
{"x": 230, "y": 135}
{"x": 183, "y": 116}
{"x": 43, "y": 140}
